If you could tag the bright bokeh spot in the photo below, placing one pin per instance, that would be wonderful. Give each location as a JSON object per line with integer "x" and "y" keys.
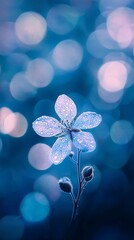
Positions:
{"x": 127, "y": 61}
{"x": 15, "y": 125}
{"x": 48, "y": 185}
{"x": 62, "y": 18}
{"x": 40, "y": 73}
{"x": 120, "y": 26}
{"x": 9, "y": 123}
{"x": 35, "y": 207}
{"x": 4, "y": 112}
{"x": 68, "y": 55}
{"x": 20, "y": 88}
{"x": 122, "y": 132}
{"x": 39, "y": 156}
{"x": 112, "y": 76}
{"x": 11, "y": 228}
{"x": 30, "y": 28}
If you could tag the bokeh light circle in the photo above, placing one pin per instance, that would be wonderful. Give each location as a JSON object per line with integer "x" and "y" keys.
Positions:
{"x": 15, "y": 125}
{"x": 30, "y": 28}
{"x": 49, "y": 186}
{"x": 20, "y": 88}
{"x": 68, "y": 55}
{"x": 94, "y": 46}
{"x": 11, "y": 228}
{"x": 4, "y": 112}
{"x": 112, "y": 76}
{"x": 62, "y": 18}
{"x": 120, "y": 26}
{"x": 105, "y": 39}
{"x": 35, "y": 207}
{"x": 122, "y": 132}
{"x": 39, "y": 72}
{"x": 39, "y": 156}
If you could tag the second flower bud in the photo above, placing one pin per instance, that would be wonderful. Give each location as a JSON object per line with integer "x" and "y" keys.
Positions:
{"x": 65, "y": 185}
{"x": 88, "y": 173}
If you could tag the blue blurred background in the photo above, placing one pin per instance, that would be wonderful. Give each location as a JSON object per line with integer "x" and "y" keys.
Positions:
{"x": 84, "y": 49}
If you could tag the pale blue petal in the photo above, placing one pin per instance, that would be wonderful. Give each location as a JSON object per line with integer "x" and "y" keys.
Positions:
{"x": 61, "y": 149}
{"x": 88, "y": 120}
{"x": 84, "y": 141}
{"x": 47, "y": 126}
{"x": 65, "y": 108}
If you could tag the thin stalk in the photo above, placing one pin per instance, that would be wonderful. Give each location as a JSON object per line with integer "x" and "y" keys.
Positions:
{"x": 80, "y": 188}
{"x": 78, "y": 170}
{"x": 73, "y": 197}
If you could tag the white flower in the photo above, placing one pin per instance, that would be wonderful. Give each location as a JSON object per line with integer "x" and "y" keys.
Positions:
{"x": 67, "y": 130}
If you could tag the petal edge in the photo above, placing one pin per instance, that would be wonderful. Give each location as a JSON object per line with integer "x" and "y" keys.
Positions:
{"x": 60, "y": 150}
{"x": 47, "y": 126}
{"x": 88, "y": 120}
{"x": 65, "y": 108}
{"x": 84, "y": 141}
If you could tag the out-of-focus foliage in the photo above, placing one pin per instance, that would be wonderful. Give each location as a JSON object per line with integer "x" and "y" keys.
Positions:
{"x": 85, "y": 50}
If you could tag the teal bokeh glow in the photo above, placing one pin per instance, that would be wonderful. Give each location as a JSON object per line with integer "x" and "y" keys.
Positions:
{"x": 34, "y": 207}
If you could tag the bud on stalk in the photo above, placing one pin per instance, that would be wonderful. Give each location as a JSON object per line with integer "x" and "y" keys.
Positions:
{"x": 88, "y": 173}
{"x": 65, "y": 185}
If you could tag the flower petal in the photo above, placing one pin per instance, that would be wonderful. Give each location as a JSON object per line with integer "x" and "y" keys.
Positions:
{"x": 65, "y": 108}
{"x": 47, "y": 126}
{"x": 84, "y": 141}
{"x": 61, "y": 149}
{"x": 88, "y": 120}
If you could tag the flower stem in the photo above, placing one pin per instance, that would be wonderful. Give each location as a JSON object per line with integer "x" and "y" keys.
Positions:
{"x": 80, "y": 188}
{"x": 73, "y": 197}
{"x": 78, "y": 170}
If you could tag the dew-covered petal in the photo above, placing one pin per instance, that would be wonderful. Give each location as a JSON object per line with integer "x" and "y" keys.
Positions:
{"x": 47, "y": 126}
{"x": 84, "y": 141}
{"x": 65, "y": 108}
{"x": 61, "y": 149}
{"x": 88, "y": 120}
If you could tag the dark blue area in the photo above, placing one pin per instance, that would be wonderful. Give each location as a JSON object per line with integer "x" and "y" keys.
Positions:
{"x": 106, "y": 210}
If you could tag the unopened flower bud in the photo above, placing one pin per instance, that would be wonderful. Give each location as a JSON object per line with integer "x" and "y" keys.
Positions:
{"x": 65, "y": 184}
{"x": 71, "y": 154}
{"x": 87, "y": 173}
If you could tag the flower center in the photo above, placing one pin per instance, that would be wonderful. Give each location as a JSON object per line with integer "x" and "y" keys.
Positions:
{"x": 67, "y": 129}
